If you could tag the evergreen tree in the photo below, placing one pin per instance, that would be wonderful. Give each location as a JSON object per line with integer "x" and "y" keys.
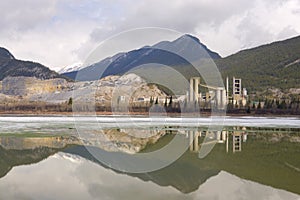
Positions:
{"x": 229, "y": 106}
{"x": 259, "y": 105}
{"x": 70, "y": 102}
{"x": 266, "y": 104}
{"x": 277, "y": 103}
{"x": 171, "y": 101}
{"x": 151, "y": 101}
{"x": 166, "y": 102}
{"x": 274, "y": 105}
{"x": 156, "y": 101}
{"x": 248, "y": 109}
{"x": 283, "y": 105}
{"x": 290, "y": 104}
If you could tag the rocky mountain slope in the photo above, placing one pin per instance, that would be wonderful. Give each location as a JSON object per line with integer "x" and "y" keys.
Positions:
{"x": 274, "y": 65}
{"x": 9, "y": 66}
{"x": 58, "y": 90}
{"x": 124, "y": 62}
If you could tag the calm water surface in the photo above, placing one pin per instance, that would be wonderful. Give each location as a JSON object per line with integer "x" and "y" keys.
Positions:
{"x": 246, "y": 163}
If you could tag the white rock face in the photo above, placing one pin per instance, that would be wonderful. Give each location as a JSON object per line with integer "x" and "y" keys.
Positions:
{"x": 130, "y": 79}
{"x": 26, "y": 86}
{"x": 130, "y": 86}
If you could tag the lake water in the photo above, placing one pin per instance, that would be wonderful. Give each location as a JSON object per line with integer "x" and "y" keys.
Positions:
{"x": 248, "y": 158}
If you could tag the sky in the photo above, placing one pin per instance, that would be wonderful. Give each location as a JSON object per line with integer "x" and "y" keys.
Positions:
{"x": 58, "y": 33}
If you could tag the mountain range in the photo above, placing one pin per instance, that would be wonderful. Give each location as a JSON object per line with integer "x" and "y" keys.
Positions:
{"x": 157, "y": 54}
{"x": 272, "y": 65}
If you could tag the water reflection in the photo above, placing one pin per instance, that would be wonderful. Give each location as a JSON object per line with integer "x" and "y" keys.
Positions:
{"x": 65, "y": 176}
{"x": 238, "y": 135}
{"x": 234, "y": 137}
{"x": 265, "y": 156}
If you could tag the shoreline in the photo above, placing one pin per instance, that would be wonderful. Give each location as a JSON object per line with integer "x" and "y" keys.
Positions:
{"x": 139, "y": 114}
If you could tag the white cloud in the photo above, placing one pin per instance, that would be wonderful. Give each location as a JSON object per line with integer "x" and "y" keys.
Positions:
{"x": 63, "y": 177}
{"x": 265, "y": 22}
{"x": 25, "y": 14}
{"x": 59, "y": 33}
{"x": 53, "y": 47}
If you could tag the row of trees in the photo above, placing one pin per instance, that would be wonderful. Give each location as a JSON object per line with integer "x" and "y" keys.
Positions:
{"x": 36, "y": 106}
{"x": 274, "y": 106}
{"x": 154, "y": 105}
{"x": 283, "y": 104}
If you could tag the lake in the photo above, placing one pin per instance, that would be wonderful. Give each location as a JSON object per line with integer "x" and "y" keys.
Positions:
{"x": 55, "y": 158}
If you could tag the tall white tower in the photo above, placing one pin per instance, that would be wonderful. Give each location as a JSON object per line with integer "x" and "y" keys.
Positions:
{"x": 194, "y": 89}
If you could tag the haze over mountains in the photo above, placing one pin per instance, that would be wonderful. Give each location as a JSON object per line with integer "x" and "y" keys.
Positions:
{"x": 272, "y": 65}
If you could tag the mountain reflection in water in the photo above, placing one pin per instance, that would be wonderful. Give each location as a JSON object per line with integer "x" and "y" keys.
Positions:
{"x": 265, "y": 157}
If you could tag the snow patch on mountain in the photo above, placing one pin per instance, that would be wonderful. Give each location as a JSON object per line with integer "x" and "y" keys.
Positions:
{"x": 74, "y": 67}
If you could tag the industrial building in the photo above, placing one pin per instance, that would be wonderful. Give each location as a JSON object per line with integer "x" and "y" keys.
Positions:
{"x": 218, "y": 96}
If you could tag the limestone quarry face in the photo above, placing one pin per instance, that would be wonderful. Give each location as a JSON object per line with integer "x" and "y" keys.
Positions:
{"x": 129, "y": 87}
{"x": 26, "y": 86}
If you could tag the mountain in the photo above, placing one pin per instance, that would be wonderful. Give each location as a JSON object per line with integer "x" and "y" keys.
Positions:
{"x": 184, "y": 44}
{"x": 5, "y": 54}
{"x": 274, "y": 65}
{"x": 10, "y": 158}
{"x": 9, "y": 66}
{"x": 94, "y": 69}
{"x": 156, "y": 54}
{"x": 71, "y": 68}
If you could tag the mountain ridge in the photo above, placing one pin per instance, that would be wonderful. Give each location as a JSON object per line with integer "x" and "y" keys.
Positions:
{"x": 164, "y": 52}
{"x": 10, "y": 66}
{"x": 265, "y": 66}
{"x": 4, "y": 53}
{"x": 272, "y": 65}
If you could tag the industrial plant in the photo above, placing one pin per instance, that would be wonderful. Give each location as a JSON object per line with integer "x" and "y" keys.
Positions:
{"x": 218, "y": 96}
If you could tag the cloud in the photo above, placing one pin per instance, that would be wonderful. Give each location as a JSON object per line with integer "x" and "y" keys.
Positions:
{"x": 41, "y": 31}
{"x": 183, "y": 16}
{"x": 23, "y": 15}
{"x": 59, "y": 33}
{"x": 224, "y": 26}
{"x": 64, "y": 176}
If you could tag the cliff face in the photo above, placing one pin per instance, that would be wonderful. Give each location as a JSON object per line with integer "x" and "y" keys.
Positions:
{"x": 22, "y": 86}
{"x": 58, "y": 90}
